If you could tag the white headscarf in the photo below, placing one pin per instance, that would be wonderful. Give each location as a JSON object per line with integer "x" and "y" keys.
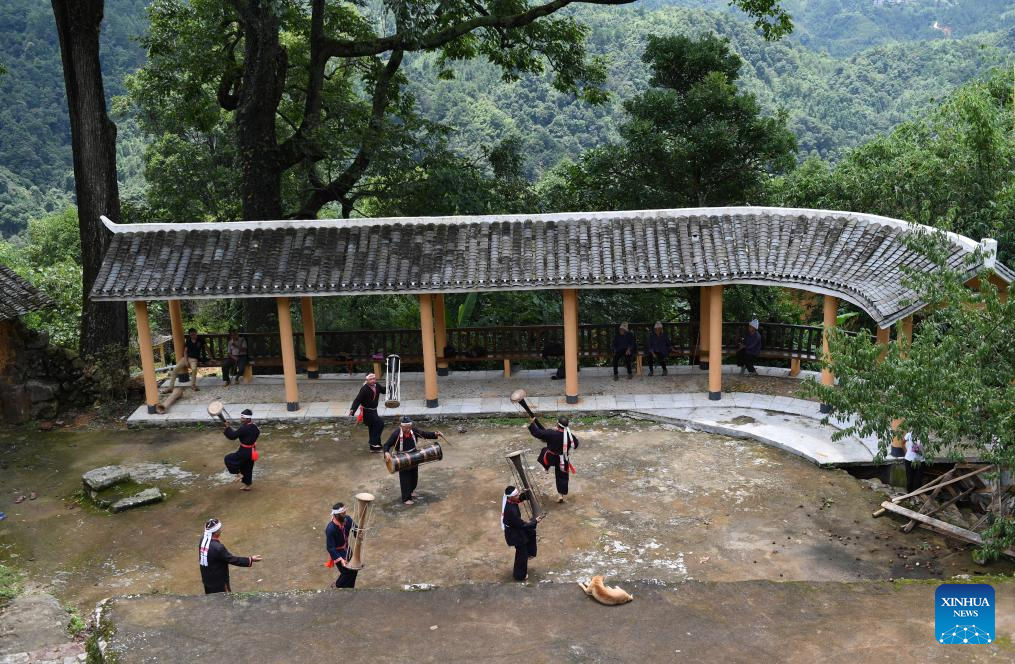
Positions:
{"x": 503, "y": 505}
{"x": 206, "y": 540}
{"x": 755, "y": 324}
{"x": 340, "y": 510}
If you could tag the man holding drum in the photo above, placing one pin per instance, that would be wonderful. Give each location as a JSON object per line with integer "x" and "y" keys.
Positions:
{"x": 404, "y": 440}
{"x": 241, "y": 462}
{"x": 367, "y": 398}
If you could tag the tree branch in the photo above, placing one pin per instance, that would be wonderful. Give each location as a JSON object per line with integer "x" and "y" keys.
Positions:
{"x": 343, "y": 48}
{"x": 338, "y": 189}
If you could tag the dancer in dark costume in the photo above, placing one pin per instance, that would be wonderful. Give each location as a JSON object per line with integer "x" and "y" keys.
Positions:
{"x": 518, "y": 533}
{"x": 215, "y": 559}
{"x": 336, "y": 539}
{"x": 557, "y": 453}
{"x": 241, "y": 462}
{"x": 404, "y": 439}
{"x": 367, "y": 397}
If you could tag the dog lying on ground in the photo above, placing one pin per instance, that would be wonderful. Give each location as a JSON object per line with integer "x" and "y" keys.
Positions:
{"x": 605, "y": 594}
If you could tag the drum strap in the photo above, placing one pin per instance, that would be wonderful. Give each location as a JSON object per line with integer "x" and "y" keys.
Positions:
{"x": 412, "y": 433}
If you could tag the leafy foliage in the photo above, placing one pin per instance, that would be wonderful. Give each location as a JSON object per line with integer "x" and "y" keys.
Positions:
{"x": 49, "y": 257}
{"x": 693, "y": 140}
{"x": 951, "y": 168}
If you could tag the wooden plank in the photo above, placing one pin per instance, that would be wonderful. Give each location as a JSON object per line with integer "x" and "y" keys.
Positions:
{"x": 909, "y": 526}
{"x": 930, "y": 487}
{"x": 928, "y": 500}
{"x": 937, "y": 525}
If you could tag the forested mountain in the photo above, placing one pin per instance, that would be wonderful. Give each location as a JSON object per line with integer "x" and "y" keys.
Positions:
{"x": 843, "y": 27}
{"x": 36, "y": 170}
{"x": 836, "y": 95}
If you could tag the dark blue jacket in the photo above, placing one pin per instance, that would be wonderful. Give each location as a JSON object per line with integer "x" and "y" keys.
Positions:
{"x": 623, "y": 342}
{"x": 659, "y": 343}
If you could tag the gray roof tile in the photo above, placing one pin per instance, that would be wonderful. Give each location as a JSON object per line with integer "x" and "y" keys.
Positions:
{"x": 18, "y": 297}
{"x": 854, "y": 256}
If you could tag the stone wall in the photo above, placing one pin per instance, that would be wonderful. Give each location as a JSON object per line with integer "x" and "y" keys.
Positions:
{"x": 37, "y": 380}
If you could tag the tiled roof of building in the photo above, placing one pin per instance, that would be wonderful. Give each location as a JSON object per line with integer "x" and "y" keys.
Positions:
{"x": 857, "y": 257}
{"x": 17, "y": 296}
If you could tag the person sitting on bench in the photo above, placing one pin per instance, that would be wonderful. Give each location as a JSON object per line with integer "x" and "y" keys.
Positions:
{"x": 236, "y": 357}
{"x": 749, "y": 349}
{"x": 194, "y": 352}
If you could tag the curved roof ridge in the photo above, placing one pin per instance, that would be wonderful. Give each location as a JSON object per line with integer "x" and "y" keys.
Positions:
{"x": 863, "y": 217}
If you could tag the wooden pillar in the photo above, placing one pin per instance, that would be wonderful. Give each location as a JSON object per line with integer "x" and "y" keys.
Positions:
{"x": 705, "y": 299}
{"x": 715, "y": 343}
{"x": 905, "y": 338}
{"x": 831, "y": 312}
{"x": 176, "y": 324}
{"x": 285, "y": 334}
{"x": 440, "y": 333}
{"x": 309, "y": 336}
{"x": 144, "y": 344}
{"x": 884, "y": 337}
{"x": 429, "y": 357}
{"x": 570, "y": 297}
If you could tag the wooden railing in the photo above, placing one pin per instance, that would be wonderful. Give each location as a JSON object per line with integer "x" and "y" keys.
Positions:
{"x": 529, "y": 342}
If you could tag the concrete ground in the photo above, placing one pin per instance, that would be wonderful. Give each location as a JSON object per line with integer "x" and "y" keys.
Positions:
{"x": 753, "y": 406}
{"x": 650, "y": 502}
{"x": 748, "y": 621}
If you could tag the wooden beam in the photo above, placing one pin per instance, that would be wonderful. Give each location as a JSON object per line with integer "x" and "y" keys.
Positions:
{"x": 831, "y": 312}
{"x": 932, "y": 485}
{"x": 570, "y": 298}
{"x": 144, "y": 343}
{"x": 939, "y": 526}
{"x": 285, "y": 334}
{"x": 715, "y": 343}
{"x": 703, "y": 336}
{"x": 309, "y": 335}
{"x": 440, "y": 333}
{"x": 884, "y": 336}
{"x": 429, "y": 357}
{"x": 176, "y": 324}
{"x": 794, "y": 366}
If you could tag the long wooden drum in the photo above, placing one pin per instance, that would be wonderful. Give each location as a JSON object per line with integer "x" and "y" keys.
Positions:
{"x": 412, "y": 458}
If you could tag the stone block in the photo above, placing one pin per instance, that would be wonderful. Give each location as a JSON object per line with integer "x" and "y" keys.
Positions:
{"x": 146, "y": 497}
{"x": 39, "y": 391}
{"x": 105, "y": 477}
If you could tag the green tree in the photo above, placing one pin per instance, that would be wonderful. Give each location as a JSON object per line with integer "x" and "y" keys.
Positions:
{"x": 959, "y": 405}
{"x": 692, "y": 140}
{"x": 951, "y": 168}
{"x": 49, "y": 256}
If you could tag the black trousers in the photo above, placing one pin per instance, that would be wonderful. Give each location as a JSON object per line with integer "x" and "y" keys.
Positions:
{"x": 627, "y": 361}
{"x": 375, "y": 427}
{"x": 522, "y": 555}
{"x": 561, "y": 477}
{"x": 240, "y": 463}
{"x": 211, "y": 590}
{"x": 914, "y": 475}
{"x": 346, "y": 577}
{"x": 745, "y": 360}
{"x": 652, "y": 356}
{"x": 407, "y": 480}
{"x": 228, "y": 364}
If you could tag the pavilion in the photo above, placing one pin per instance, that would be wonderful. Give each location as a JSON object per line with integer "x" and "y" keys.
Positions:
{"x": 859, "y": 258}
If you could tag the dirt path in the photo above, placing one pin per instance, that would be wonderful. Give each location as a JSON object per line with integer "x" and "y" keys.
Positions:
{"x": 649, "y": 503}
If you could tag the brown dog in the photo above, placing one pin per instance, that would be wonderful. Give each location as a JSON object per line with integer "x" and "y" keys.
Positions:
{"x": 605, "y": 594}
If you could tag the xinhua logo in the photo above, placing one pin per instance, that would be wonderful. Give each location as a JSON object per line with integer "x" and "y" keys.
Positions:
{"x": 964, "y": 613}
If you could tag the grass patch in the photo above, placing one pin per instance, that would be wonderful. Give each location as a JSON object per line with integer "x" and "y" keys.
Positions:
{"x": 76, "y": 624}
{"x": 10, "y": 584}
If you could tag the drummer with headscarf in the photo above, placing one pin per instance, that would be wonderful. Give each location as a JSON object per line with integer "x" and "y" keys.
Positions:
{"x": 557, "y": 453}
{"x": 367, "y": 397}
{"x": 518, "y": 533}
{"x": 403, "y": 440}
{"x": 215, "y": 559}
{"x": 336, "y": 540}
{"x": 241, "y": 462}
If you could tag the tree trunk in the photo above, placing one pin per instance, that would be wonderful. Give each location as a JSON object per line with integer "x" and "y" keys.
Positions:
{"x": 93, "y": 139}
{"x": 264, "y": 71}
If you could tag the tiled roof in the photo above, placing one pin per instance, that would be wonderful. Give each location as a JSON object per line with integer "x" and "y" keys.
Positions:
{"x": 17, "y": 296}
{"x": 854, "y": 256}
